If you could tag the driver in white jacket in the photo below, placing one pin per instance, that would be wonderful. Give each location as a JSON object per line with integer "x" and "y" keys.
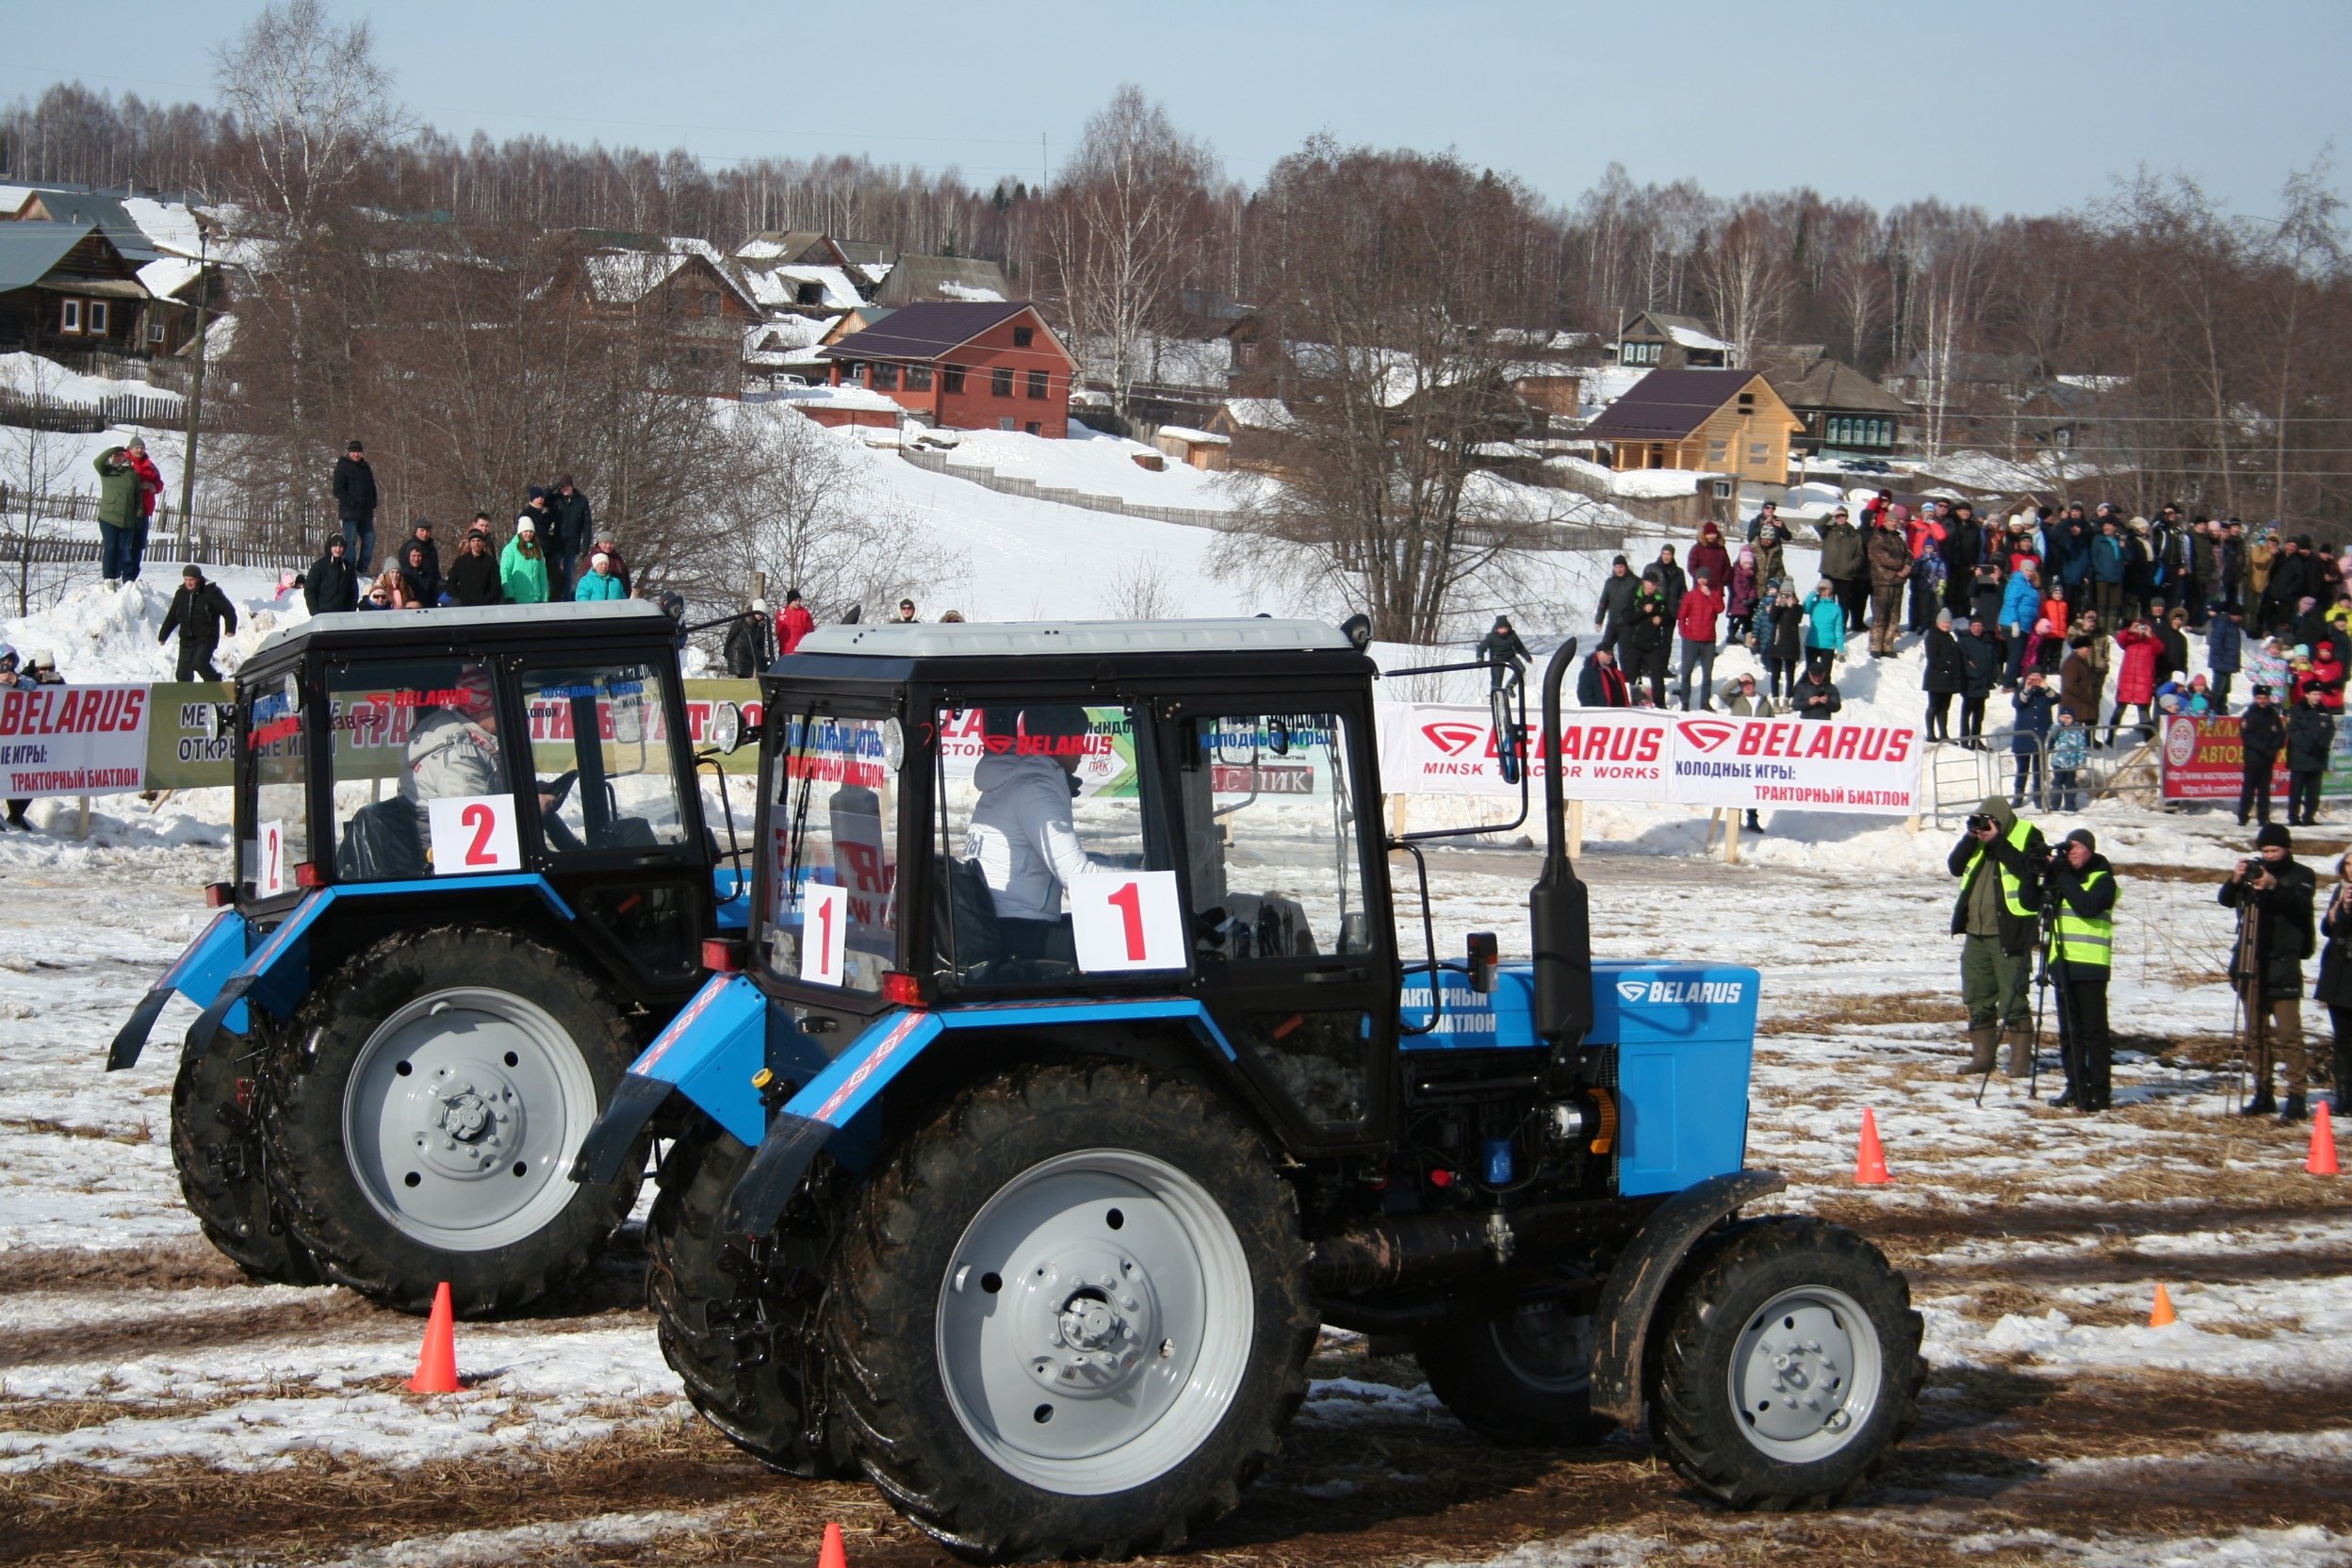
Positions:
{"x": 453, "y": 748}
{"x": 1021, "y": 831}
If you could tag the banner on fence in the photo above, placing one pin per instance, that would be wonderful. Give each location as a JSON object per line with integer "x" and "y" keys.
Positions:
{"x": 2202, "y": 760}
{"x": 73, "y": 740}
{"x": 1687, "y": 758}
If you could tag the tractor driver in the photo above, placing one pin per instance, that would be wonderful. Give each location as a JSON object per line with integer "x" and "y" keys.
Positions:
{"x": 453, "y": 750}
{"x": 1021, "y": 834}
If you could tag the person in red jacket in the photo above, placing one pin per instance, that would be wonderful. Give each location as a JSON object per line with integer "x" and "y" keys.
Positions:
{"x": 792, "y": 622}
{"x": 1709, "y": 556}
{"x": 149, "y": 489}
{"x": 2325, "y": 677}
{"x": 2135, "y": 678}
{"x": 1701, "y": 603}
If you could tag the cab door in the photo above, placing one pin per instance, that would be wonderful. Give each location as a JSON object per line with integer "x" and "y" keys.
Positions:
{"x": 1291, "y": 941}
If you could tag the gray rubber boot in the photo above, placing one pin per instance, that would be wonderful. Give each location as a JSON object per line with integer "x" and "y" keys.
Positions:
{"x": 1981, "y": 1043}
{"x": 2020, "y": 1062}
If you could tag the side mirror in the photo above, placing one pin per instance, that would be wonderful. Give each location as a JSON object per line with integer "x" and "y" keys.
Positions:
{"x": 726, "y": 732}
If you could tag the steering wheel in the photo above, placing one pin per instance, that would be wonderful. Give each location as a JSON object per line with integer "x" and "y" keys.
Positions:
{"x": 559, "y": 832}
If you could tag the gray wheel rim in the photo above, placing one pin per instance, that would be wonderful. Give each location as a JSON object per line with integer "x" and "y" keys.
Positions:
{"x": 1545, "y": 1348}
{"x": 460, "y": 1116}
{"x": 1805, "y": 1374}
{"x": 1095, "y": 1323}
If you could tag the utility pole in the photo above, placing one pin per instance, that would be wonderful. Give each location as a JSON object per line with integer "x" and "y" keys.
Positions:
{"x": 196, "y": 385}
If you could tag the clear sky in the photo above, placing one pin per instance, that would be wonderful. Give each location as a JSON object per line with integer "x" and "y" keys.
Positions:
{"x": 2015, "y": 105}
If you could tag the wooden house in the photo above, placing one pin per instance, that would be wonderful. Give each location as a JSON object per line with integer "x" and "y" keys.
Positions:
{"x": 1715, "y": 421}
{"x": 1671, "y": 342}
{"x": 953, "y": 280}
{"x": 964, "y": 365}
{"x": 66, "y": 289}
{"x": 1844, "y": 411}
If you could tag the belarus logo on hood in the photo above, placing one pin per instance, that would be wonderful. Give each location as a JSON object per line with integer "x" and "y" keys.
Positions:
{"x": 1707, "y": 734}
{"x": 1452, "y": 737}
{"x": 1633, "y": 991}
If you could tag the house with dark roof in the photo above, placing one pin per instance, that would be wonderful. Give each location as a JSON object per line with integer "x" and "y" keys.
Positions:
{"x": 1714, "y": 421}
{"x": 1671, "y": 342}
{"x": 65, "y": 289}
{"x": 1845, "y": 411}
{"x": 964, "y": 365}
{"x": 919, "y": 279}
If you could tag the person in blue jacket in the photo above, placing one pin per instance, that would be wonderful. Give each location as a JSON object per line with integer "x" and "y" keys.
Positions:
{"x": 1825, "y": 623}
{"x": 2225, "y": 648}
{"x": 597, "y": 581}
{"x": 2110, "y": 558}
{"x": 2020, "y": 606}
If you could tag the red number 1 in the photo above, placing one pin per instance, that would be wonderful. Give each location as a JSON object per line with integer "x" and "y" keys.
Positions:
{"x": 481, "y": 820}
{"x": 1129, "y": 902}
{"x": 824, "y": 935}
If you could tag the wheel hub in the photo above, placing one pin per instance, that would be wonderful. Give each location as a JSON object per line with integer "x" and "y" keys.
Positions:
{"x": 1802, "y": 1378}
{"x": 1088, "y": 1317}
{"x": 465, "y": 1119}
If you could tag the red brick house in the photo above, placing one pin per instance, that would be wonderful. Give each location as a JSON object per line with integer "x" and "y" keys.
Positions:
{"x": 965, "y": 365}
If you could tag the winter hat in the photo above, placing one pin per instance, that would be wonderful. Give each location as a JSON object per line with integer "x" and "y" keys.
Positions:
{"x": 525, "y": 527}
{"x": 1620, "y": 562}
{"x": 8, "y": 654}
{"x": 2273, "y": 833}
{"x": 564, "y": 481}
{"x": 354, "y": 446}
{"x": 333, "y": 540}
{"x": 601, "y": 559}
{"x": 538, "y": 493}
{"x": 1943, "y": 618}
{"x": 2084, "y": 836}
{"x": 192, "y": 572}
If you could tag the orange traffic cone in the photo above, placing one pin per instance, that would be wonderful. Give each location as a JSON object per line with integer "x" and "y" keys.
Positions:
{"x": 832, "y": 1555}
{"x": 2322, "y": 1156}
{"x": 436, "y": 1364}
{"x": 1870, "y": 1163}
{"x": 2162, "y": 1314}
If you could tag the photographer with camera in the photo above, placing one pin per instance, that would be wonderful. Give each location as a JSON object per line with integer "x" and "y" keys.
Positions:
{"x": 1999, "y": 862}
{"x": 2272, "y": 893}
{"x": 2079, "y": 887}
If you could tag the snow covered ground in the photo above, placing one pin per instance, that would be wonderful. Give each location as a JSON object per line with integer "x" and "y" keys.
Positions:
{"x": 154, "y": 1407}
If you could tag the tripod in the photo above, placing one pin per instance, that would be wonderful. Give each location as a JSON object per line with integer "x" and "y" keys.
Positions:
{"x": 2245, "y": 971}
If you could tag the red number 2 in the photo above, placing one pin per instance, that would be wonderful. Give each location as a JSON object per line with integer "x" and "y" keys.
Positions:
{"x": 481, "y": 820}
{"x": 1129, "y": 902}
{"x": 824, "y": 935}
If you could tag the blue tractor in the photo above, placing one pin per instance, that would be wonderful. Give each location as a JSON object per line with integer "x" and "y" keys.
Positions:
{"x": 473, "y": 879}
{"x": 1072, "y": 1074}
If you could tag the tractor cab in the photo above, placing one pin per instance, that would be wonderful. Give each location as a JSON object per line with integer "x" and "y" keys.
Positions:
{"x": 962, "y": 816}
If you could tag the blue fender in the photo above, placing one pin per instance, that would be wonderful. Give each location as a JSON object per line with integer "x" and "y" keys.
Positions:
{"x": 853, "y": 1081}
{"x": 196, "y": 974}
{"x": 277, "y": 973}
{"x": 710, "y": 1053}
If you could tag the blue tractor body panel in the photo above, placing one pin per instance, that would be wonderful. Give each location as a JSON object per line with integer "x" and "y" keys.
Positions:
{"x": 732, "y": 912}
{"x": 1685, "y": 1036}
{"x": 198, "y": 973}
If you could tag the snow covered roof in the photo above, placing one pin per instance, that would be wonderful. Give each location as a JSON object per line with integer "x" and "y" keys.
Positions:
{"x": 832, "y": 397}
{"x": 785, "y": 333}
{"x": 624, "y": 277}
{"x": 1196, "y": 437}
{"x": 1261, "y": 413}
{"x": 775, "y": 287}
{"x": 1633, "y": 484}
{"x": 1686, "y": 332}
{"x": 916, "y": 279}
{"x": 167, "y": 275}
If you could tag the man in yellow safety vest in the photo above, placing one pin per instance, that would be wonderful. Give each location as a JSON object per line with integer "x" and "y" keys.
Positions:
{"x": 2082, "y": 936}
{"x": 1998, "y": 861}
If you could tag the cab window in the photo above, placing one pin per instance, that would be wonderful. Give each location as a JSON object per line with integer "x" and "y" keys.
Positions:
{"x": 406, "y": 734}
{"x": 601, "y": 759}
{"x": 830, "y": 914}
{"x": 1034, "y": 797}
{"x": 1276, "y": 871}
{"x": 280, "y": 772}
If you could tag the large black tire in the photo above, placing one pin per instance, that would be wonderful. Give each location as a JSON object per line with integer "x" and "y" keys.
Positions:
{"x": 323, "y": 1185}
{"x": 900, "y": 1257}
{"x": 1703, "y": 1427}
{"x": 739, "y": 1323}
{"x": 1524, "y": 1380}
{"x": 216, "y": 1150}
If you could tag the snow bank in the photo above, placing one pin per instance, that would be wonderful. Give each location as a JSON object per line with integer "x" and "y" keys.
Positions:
{"x": 96, "y": 634}
{"x": 24, "y": 374}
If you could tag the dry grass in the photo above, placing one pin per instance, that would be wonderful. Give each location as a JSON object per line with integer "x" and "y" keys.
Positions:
{"x": 1867, "y": 1012}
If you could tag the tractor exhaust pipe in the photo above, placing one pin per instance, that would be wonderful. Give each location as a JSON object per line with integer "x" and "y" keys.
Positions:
{"x": 1560, "y": 912}
{"x": 1418, "y": 1249}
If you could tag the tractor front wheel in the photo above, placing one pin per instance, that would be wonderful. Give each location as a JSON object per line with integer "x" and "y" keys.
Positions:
{"x": 216, "y": 1150}
{"x": 1524, "y": 1380}
{"x": 1070, "y": 1315}
{"x": 424, "y": 1111}
{"x": 1783, "y": 1364}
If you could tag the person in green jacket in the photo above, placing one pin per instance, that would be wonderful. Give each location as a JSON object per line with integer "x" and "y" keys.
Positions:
{"x": 118, "y": 514}
{"x": 522, "y": 566}
{"x": 597, "y": 581}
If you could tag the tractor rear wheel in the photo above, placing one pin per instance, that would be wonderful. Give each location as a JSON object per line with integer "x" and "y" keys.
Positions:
{"x": 424, "y": 1110}
{"x": 737, "y": 1318}
{"x": 216, "y": 1148}
{"x": 1070, "y": 1315}
{"x": 1524, "y": 1380}
{"x": 1783, "y": 1364}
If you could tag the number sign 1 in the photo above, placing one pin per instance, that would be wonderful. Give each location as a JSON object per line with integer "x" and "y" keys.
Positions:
{"x": 824, "y": 932}
{"x": 473, "y": 834}
{"x": 270, "y": 859}
{"x": 1127, "y": 920}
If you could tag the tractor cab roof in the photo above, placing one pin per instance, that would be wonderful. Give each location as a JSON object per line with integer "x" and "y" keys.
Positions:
{"x": 427, "y": 632}
{"x": 967, "y": 650}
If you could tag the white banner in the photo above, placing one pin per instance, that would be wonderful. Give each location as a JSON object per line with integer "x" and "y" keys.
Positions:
{"x": 73, "y": 740}
{"x": 1669, "y": 759}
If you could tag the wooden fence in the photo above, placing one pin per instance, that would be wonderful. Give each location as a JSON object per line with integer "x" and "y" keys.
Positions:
{"x": 89, "y": 417}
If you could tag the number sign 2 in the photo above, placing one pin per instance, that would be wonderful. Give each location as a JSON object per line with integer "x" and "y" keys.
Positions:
{"x": 824, "y": 932}
{"x": 1127, "y": 920}
{"x": 268, "y": 860}
{"x": 473, "y": 834}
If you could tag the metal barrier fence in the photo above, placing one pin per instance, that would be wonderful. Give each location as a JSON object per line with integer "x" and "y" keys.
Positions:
{"x": 1961, "y": 773}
